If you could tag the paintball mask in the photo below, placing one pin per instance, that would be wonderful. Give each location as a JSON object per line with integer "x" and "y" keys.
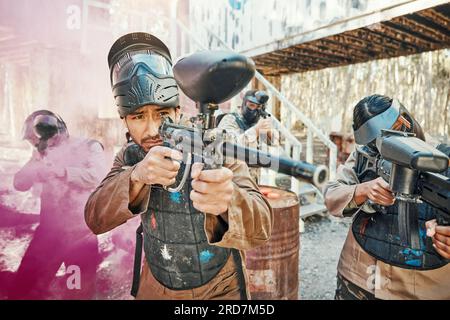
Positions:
{"x": 141, "y": 73}
{"x": 372, "y": 129}
{"x": 43, "y": 126}
{"x": 257, "y": 97}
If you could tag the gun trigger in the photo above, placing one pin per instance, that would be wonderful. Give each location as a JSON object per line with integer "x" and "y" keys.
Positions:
{"x": 186, "y": 172}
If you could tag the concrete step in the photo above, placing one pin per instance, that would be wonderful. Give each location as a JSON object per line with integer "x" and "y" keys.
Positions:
{"x": 312, "y": 209}
{"x": 307, "y": 189}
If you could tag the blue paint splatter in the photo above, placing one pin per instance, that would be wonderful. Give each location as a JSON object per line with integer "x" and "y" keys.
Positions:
{"x": 237, "y": 4}
{"x": 206, "y": 256}
{"x": 409, "y": 251}
{"x": 411, "y": 257}
{"x": 423, "y": 238}
{"x": 414, "y": 262}
{"x": 175, "y": 197}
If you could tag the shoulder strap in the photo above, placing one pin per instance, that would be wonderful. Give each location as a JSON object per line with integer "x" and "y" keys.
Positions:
{"x": 219, "y": 118}
{"x": 137, "y": 261}
{"x": 236, "y": 116}
{"x": 240, "y": 273}
{"x": 240, "y": 121}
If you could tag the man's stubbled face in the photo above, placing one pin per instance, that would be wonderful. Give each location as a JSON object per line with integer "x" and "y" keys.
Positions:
{"x": 143, "y": 124}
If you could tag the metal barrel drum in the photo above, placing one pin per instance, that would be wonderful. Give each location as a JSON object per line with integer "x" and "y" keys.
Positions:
{"x": 273, "y": 267}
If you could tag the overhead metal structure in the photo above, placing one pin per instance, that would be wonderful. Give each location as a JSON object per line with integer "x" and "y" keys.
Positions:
{"x": 400, "y": 30}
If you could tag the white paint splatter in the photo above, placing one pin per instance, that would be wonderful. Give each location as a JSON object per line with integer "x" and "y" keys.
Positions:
{"x": 165, "y": 253}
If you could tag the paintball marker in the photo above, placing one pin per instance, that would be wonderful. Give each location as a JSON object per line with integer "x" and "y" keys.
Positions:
{"x": 210, "y": 78}
{"x": 412, "y": 168}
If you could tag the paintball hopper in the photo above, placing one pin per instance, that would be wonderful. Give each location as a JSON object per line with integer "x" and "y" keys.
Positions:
{"x": 408, "y": 151}
{"x": 213, "y": 77}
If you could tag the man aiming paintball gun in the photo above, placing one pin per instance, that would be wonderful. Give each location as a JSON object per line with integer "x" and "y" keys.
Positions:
{"x": 193, "y": 239}
{"x": 252, "y": 125}
{"x": 65, "y": 182}
{"x": 396, "y": 187}
{"x": 190, "y": 186}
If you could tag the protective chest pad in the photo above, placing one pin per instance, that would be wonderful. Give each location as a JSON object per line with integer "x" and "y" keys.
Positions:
{"x": 378, "y": 234}
{"x": 175, "y": 243}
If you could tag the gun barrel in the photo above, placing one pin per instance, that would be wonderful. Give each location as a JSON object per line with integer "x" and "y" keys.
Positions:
{"x": 311, "y": 173}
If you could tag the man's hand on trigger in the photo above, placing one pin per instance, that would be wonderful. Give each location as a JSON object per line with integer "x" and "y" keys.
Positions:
{"x": 440, "y": 236}
{"x": 376, "y": 190}
{"x": 158, "y": 167}
{"x": 212, "y": 189}
{"x": 264, "y": 126}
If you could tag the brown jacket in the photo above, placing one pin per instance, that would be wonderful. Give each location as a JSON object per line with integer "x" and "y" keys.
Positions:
{"x": 362, "y": 269}
{"x": 249, "y": 225}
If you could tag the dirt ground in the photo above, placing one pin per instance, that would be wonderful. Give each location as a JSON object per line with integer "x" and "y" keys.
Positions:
{"x": 320, "y": 247}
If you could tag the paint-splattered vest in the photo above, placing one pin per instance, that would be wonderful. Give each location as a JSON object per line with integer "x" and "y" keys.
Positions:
{"x": 175, "y": 243}
{"x": 378, "y": 234}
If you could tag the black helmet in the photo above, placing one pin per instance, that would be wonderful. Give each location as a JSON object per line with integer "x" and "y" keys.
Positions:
{"x": 43, "y": 125}
{"x": 257, "y": 97}
{"x": 141, "y": 73}
{"x": 368, "y": 126}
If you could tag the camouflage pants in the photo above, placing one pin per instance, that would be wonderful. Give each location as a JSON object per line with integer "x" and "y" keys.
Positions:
{"x": 348, "y": 291}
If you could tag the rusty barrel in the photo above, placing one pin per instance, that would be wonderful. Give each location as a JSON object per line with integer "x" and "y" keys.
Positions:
{"x": 273, "y": 267}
